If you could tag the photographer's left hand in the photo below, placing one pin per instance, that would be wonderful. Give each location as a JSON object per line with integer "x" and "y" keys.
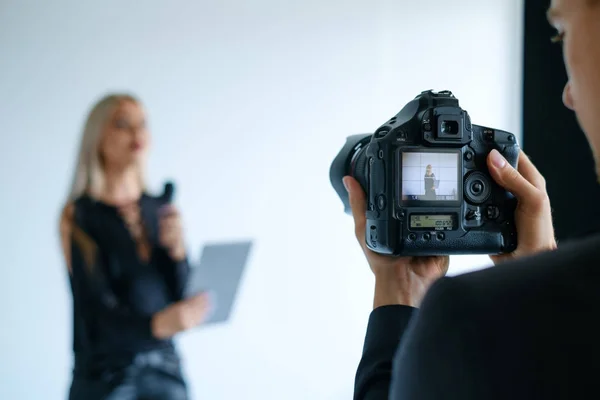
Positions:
{"x": 398, "y": 280}
{"x": 171, "y": 232}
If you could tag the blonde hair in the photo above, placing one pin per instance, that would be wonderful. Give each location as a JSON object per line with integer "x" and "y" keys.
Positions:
{"x": 89, "y": 173}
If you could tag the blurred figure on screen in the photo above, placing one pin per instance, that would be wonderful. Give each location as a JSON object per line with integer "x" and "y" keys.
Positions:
{"x": 429, "y": 183}
{"x": 127, "y": 265}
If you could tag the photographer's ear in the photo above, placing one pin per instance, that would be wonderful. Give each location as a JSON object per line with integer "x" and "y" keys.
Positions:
{"x": 567, "y": 98}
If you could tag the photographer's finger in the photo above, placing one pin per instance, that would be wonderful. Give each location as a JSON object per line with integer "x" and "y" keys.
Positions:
{"x": 358, "y": 204}
{"x": 509, "y": 178}
{"x": 530, "y": 172}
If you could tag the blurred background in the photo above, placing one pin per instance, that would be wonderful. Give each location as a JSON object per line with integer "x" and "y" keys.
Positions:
{"x": 248, "y": 103}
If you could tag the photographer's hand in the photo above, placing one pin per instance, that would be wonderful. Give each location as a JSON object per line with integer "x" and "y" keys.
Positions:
{"x": 398, "y": 280}
{"x": 533, "y": 216}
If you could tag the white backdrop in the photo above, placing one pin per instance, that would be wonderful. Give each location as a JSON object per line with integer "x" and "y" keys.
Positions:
{"x": 248, "y": 101}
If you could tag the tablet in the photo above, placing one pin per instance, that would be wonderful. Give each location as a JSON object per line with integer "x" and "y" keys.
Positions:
{"x": 220, "y": 271}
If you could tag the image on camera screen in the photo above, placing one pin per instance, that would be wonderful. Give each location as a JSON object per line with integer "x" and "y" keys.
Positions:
{"x": 429, "y": 176}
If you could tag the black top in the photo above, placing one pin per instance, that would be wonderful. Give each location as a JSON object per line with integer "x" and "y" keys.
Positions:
{"x": 524, "y": 330}
{"x": 429, "y": 182}
{"x": 115, "y": 293}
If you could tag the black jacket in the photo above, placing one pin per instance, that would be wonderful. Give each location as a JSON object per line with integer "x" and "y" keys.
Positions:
{"x": 528, "y": 329}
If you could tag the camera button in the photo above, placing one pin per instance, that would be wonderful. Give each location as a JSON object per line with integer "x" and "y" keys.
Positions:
{"x": 473, "y": 215}
{"x": 412, "y": 236}
{"x": 441, "y": 236}
{"x": 382, "y": 132}
{"x": 381, "y": 202}
{"x": 427, "y": 236}
{"x": 469, "y": 155}
{"x": 373, "y": 236}
{"x": 492, "y": 212}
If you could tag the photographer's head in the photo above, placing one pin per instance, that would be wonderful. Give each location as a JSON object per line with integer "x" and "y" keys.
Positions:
{"x": 578, "y": 28}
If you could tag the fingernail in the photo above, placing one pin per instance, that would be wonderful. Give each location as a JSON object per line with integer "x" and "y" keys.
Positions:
{"x": 345, "y": 181}
{"x": 497, "y": 160}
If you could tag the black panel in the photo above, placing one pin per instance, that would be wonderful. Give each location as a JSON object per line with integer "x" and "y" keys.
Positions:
{"x": 551, "y": 135}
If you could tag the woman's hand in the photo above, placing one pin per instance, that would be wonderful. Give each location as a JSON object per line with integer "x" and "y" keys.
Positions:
{"x": 181, "y": 316}
{"x": 533, "y": 216}
{"x": 171, "y": 232}
{"x": 398, "y": 280}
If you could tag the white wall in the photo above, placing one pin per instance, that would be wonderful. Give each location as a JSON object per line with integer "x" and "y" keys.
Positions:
{"x": 248, "y": 103}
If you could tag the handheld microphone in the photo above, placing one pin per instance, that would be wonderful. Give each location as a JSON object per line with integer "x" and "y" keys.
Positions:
{"x": 165, "y": 200}
{"x": 168, "y": 193}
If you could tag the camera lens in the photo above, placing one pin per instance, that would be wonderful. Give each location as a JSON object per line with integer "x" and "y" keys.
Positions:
{"x": 477, "y": 188}
{"x": 450, "y": 127}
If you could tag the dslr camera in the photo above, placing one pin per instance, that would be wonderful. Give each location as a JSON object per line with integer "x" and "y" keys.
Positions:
{"x": 427, "y": 185}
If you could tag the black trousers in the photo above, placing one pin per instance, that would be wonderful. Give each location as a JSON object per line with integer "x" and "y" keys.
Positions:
{"x": 153, "y": 375}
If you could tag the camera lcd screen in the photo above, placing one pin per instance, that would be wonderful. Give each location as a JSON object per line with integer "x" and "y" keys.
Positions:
{"x": 433, "y": 222}
{"x": 430, "y": 176}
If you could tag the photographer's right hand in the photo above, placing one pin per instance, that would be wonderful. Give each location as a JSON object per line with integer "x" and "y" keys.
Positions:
{"x": 533, "y": 216}
{"x": 398, "y": 280}
{"x": 181, "y": 316}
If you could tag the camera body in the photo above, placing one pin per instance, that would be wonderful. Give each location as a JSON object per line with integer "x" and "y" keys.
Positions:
{"x": 427, "y": 184}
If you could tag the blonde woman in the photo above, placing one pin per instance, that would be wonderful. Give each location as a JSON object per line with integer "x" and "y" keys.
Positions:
{"x": 429, "y": 180}
{"x": 127, "y": 265}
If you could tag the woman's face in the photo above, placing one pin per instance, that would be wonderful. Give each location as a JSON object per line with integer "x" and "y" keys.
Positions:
{"x": 578, "y": 23}
{"x": 125, "y": 138}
